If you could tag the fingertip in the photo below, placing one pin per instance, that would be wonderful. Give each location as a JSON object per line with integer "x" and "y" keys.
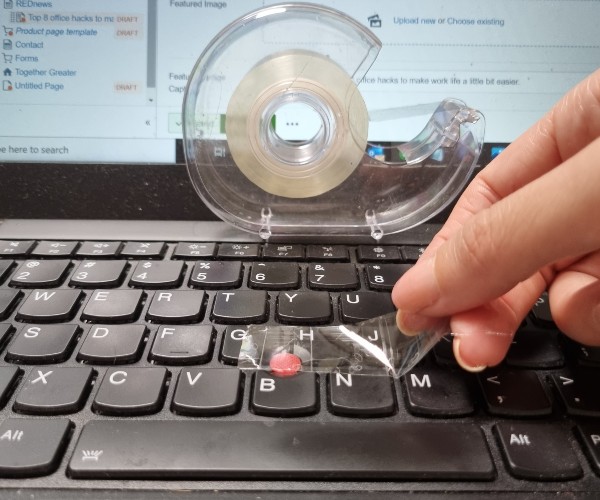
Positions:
{"x": 461, "y": 361}
{"x": 413, "y": 324}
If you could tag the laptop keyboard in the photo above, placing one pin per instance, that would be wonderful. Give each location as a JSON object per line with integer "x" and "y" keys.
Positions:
{"x": 118, "y": 362}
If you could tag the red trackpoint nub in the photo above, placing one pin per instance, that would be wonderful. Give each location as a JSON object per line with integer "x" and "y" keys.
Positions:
{"x": 285, "y": 364}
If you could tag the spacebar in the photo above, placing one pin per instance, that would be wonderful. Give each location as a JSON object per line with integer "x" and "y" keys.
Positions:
{"x": 280, "y": 450}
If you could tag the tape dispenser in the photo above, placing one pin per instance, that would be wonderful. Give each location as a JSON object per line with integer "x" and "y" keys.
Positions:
{"x": 294, "y": 58}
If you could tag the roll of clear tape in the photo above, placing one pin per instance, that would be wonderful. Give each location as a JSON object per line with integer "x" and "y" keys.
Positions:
{"x": 299, "y": 169}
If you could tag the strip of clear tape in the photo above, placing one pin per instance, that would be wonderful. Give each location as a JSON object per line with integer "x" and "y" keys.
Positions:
{"x": 372, "y": 347}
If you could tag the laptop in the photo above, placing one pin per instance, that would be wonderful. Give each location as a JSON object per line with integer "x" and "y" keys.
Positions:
{"x": 124, "y": 300}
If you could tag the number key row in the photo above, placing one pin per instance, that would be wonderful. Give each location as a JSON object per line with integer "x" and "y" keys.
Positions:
{"x": 205, "y": 274}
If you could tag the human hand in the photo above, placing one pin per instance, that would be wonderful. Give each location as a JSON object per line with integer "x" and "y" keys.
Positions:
{"x": 528, "y": 222}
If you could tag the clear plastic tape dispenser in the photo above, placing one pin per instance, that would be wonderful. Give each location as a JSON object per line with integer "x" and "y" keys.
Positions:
{"x": 309, "y": 57}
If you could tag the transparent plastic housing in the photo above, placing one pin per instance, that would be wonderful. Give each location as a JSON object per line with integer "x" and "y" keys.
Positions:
{"x": 313, "y": 56}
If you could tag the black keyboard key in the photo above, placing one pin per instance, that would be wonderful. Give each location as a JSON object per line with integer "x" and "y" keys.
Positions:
{"x": 54, "y": 249}
{"x": 54, "y": 390}
{"x": 232, "y": 343}
{"x": 31, "y": 447}
{"x": 332, "y": 276}
{"x": 540, "y": 312}
{"x": 375, "y": 253}
{"x": 40, "y": 273}
{"x": 114, "y": 306}
{"x": 535, "y": 349}
{"x": 578, "y": 391}
{"x": 14, "y": 248}
{"x": 215, "y": 391}
{"x": 8, "y": 301}
{"x": 131, "y": 391}
{"x": 384, "y": 276}
{"x": 539, "y": 452}
{"x": 586, "y": 355}
{"x": 238, "y": 251}
{"x": 359, "y": 306}
{"x": 284, "y": 396}
{"x": 412, "y": 253}
{"x": 5, "y": 266}
{"x": 165, "y": 274}
{"x": 510, "y": 392}
{"x": 177, "y": 306}
{"x": 143, "y": 250}
{"x": 216, "y": 275}
{"x": 98, "y": 249}
{"x": 360, "y": 395}
{"x": 42, "y": 344}
{"x": 49, "y": 305}
{"x": 183, "y": 345}
{"x": 194, "y": 251}
{"x": 589, "y": 434}
{"x": 328, "y": 252}
{"x": 442, "y": 351}
{"x": 434, "y": 392}
{"x": 9, "y": 375}
{"x": 283, "y": 251}
{"x": 274, "y": 276}
{"x": 245, "y": 306}
{"x": 112, "y": 344}
{"x": 197, "y": 449}
{"x": 304, "y": 307}
{"x": 99, "y": 274}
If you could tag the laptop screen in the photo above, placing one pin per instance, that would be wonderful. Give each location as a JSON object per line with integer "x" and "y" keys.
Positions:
{"x": 90, "y": 81}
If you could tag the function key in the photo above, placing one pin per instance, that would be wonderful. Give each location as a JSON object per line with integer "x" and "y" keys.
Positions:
{"x": 370, "y": 253}
{"x": 283, "y": 251}
{"x": 13, "y": 248}
{"x": 327, "y": 252}
{"x": 99, "y": 249}
{"x": 412, "y": 253}
{"x": 55, "y": 248}
{"x": 238, "y": 250}
{"x": 143, "y": 250}
{"x": 194, "y": 250}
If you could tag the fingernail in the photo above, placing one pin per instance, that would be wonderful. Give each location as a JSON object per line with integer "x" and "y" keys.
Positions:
{"x": 413, "y": 324}
{"x": 417, "y": 289}
{"x": 461, "y": 361}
